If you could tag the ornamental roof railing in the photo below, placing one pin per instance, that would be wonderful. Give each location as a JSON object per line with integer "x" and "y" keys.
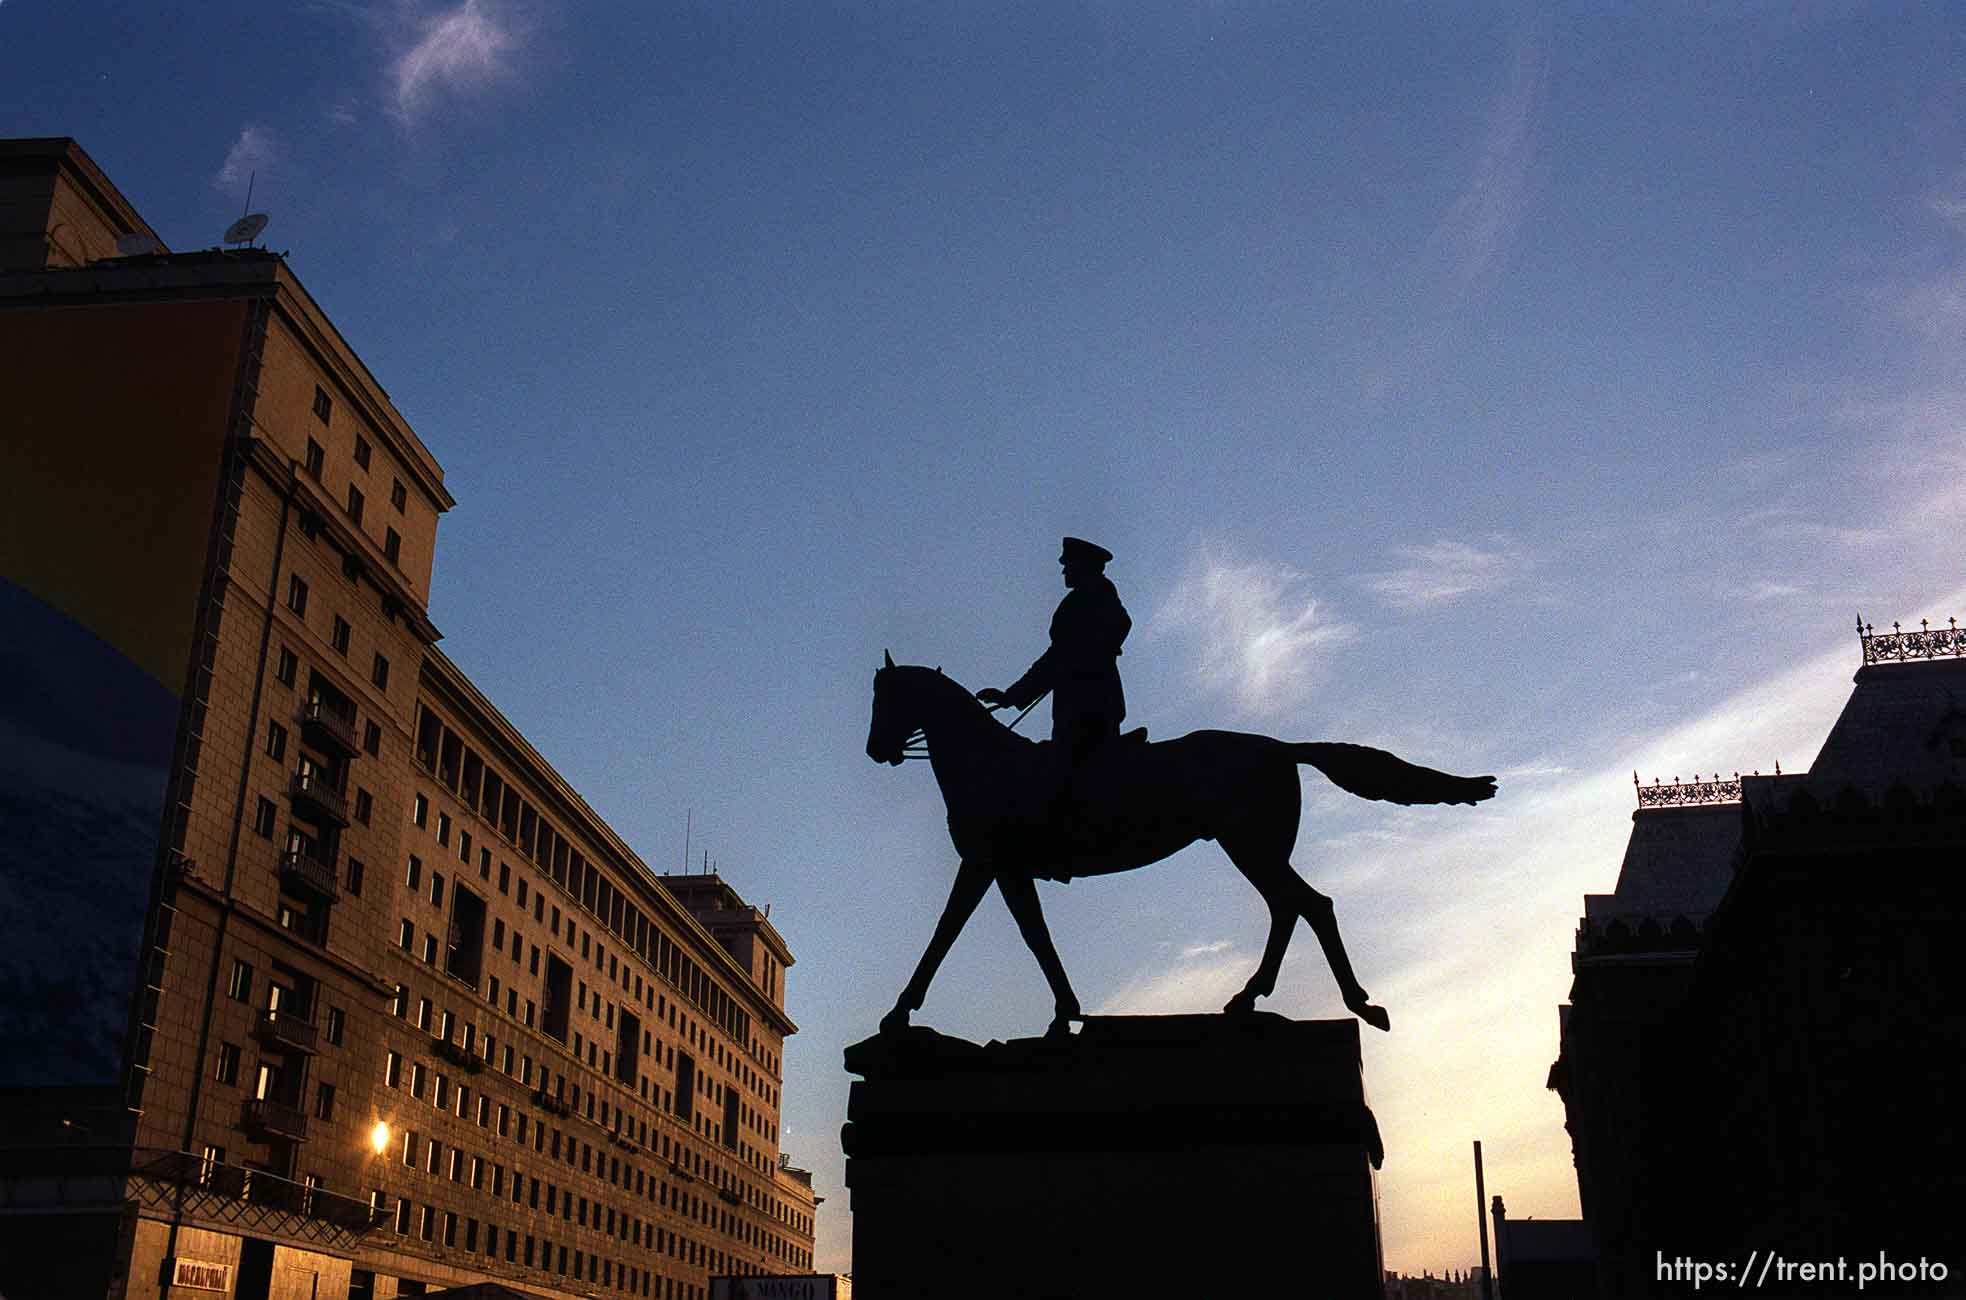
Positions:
{"x": 1680, "y": 794}
{"x": 1901, "y": 645}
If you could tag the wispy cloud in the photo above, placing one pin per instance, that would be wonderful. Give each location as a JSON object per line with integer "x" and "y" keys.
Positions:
{"x": 1259, "y": 629}
{"x": 1444, "y": 571}
{"x": 460, "y": 49}
{"x": 1201, "y": 979}
{"x": 1478, "y": 223}
{"x": 253, "y": 151}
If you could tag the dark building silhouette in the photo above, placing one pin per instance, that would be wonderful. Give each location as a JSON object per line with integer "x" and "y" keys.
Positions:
{"x": 1542, "y": 1259}
{"x": 1765, "y": 1044}
{"x": 348, "y": 992}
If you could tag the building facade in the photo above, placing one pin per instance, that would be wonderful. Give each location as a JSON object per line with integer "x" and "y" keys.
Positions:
{"x": 1764, "y": 1044}
{"x": 347, "y": 992}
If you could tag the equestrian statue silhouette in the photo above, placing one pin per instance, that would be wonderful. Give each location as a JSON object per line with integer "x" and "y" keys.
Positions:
{"x": 1020, "y": 812}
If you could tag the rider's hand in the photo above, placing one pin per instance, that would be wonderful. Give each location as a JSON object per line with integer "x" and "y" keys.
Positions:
{"x": 991, "y": 697}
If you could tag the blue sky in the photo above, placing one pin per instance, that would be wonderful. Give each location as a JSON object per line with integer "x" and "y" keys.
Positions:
{"x": 1541, "y": 390}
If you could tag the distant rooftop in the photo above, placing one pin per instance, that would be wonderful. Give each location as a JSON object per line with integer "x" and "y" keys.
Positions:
{"x": 1905, "y": 723}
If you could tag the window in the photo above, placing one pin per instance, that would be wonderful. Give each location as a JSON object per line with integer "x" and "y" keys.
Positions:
{"x": 420, "y": 811}
{"x": 297, "y": 594}
{"x": 337, "y": 1022}
{"x": 392, "y": 546}
{"x": 316, "y": 458}
{"x": 364, "y": 805}
{"x": 208, "y": 1161}
{"x": 398, "y": 497}
{"x": 412, "y": 1148}
{"x": 276, "y": 741}
{"x": 379, "y": 673}
{"x": 437, "y": 888}
{"x": 324, "y": 1102}
{"x": 415, "y": 877}
{"x": 339, "y": 638}
{"x": 355, "y": 873}
{"x": 228, "y": 1064}
{"x": 444, "y": 829}
{"x": 402, "y": 1217}
{"x": 372, "y": 740}
{"x": 240, "y": 989}
{"x": 416, "y": 1080}
{"x": 263, "y": 817}
{"x": 505, "y": 880}
{"x": 355, "y": 503}
{"x": 522, "y": 884}
{"x": 361, "y": 451}
{"x": 287, "y": 668}
{"x": 399, "y": 1006}
{"x": 406, "y": 936}
{"x": 423, "y": 1013}
{"x": 559, "y": 994}
{"x": 323, "y": 405}
{"x": 430, "y": 948}
{"x": 392, "y": 1070}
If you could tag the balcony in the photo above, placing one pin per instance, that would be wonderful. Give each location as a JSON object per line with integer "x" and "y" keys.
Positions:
{"x": 552, "y": 1105}
{"x": 275, "y": 1119}
{"x": 286, "y": 1032}
{"x": 457, "y": 1054}
{"x": 303, "y": 871}
{"x": 329, "y": 728}
{"x": 312, "y": 793}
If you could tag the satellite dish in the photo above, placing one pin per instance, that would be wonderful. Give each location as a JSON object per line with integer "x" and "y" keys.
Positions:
{"x": 137, "y": 245}
{"x": 246, "y": 229}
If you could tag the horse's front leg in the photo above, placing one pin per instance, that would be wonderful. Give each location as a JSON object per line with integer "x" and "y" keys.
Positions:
{"x": 1020, "y": 894}
{"x": 972, "y": 882}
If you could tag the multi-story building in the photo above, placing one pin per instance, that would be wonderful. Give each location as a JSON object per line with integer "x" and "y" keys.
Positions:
{"x": 346, "y": 991}
{"x": 1763, "y": 1048}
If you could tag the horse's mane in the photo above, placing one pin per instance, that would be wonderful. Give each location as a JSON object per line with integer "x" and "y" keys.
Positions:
{"x": 945, "y": 687}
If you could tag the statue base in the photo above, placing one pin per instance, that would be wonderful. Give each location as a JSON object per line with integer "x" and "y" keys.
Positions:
{"x": 1146, "y": 1155}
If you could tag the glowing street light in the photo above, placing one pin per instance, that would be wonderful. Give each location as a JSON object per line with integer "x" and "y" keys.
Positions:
{"x": 379, "y": 1137}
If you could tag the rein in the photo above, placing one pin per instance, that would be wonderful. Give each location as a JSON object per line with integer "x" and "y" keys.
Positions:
{"x": 916, "y": 746}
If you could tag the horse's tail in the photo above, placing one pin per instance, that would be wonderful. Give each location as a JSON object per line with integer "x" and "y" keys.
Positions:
{"x": 1375, "y": 774}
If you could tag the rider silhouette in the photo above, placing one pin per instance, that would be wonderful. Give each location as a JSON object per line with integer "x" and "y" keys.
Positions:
{"x": 1080, "y": 668}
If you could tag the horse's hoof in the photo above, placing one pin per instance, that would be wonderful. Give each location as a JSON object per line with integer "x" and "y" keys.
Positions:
{"x": 895, "y": 1022}
{"x": 1371, "y": 1015}
{"x": 1061, "y": 1025}
{"x": 1242, "y": 1004}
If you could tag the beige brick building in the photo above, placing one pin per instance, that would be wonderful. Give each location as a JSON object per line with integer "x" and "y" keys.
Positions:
{"x": 397, "y": 1011}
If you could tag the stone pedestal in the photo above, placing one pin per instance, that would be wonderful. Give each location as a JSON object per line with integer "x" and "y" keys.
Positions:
{"x": 1144, "y": 1156}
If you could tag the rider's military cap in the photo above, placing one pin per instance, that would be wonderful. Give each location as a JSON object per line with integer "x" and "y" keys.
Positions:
{"x": 1079, "y": 551}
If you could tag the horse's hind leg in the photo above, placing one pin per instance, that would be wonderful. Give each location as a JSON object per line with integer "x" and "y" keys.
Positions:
{"x": 1323, "y": 919}
{"x": 1290, "y": 897}
{"x": 1283, "y": 920}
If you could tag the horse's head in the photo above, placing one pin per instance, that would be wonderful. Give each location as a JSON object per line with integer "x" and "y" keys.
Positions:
{"x": 894, "y": 721}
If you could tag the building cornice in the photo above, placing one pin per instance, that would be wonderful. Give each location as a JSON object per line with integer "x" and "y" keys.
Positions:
{"x": 446, "y": 680}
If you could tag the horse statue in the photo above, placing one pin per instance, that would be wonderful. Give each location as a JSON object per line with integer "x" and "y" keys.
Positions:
{"x": 1016, "y": 818}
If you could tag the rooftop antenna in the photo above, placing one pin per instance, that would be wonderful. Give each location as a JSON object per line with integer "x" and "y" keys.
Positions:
{"x": 246, "y": 229}
{"x": 688, "y": 816}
